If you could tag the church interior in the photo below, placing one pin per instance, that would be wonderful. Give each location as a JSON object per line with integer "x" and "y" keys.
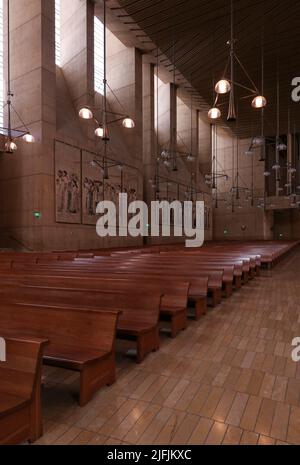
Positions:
{"x": 119, "y": 330}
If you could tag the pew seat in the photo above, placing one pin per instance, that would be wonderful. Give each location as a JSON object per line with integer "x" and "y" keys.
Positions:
{"x": 79, "y": 340}
{"x": 20, "y": 391}
{"x": 138, "y": 313}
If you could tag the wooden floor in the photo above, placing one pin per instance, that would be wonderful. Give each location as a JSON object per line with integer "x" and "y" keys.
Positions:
{"x": 227, "y": 379}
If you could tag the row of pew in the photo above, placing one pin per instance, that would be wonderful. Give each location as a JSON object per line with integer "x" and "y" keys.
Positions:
{"x": 66, "y": 309}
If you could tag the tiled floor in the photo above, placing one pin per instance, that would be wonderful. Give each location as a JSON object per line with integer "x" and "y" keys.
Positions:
{"x": 227, "y": 379}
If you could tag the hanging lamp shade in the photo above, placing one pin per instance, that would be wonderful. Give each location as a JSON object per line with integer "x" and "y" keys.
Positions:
{"x": 86, "y": 113}
{"x": 281, "y": 147}
{"x": 267, "y": 174}
{"x": 214, "y": 113}
{"x": 190, "y": 157}
{"x": 29, "y": 138}
{"x": 223, "y": 87}
{"x": 276, "y": 167}
{"x": 258, "y": 141}
{"x": 128, "y": 123}
{"x": 259, "y": 102}
{"x": 10, "y": 146}
{"x": 99, "y": 132}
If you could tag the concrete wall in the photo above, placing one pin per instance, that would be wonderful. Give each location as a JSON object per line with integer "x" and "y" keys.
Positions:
{"x": 26, "y": 176}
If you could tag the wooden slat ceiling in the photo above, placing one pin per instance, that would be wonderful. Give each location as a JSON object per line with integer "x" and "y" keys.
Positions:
{"x": 199, "y": 29}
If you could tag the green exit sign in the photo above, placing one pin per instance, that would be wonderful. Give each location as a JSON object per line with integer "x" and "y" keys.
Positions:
{"x": 37, "y": 215}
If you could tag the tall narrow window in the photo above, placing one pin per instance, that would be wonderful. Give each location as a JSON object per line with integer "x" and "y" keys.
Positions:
{"x": 99, "y": 55}
{"x": 1, "y": 66}
{"x": 57, "y": 32}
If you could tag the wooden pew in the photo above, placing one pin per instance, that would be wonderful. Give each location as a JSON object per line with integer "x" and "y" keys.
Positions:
{"x": 174, "y": 294}
{"x": 138, "y": 313}
{"x": 218, "y": 275}
{"x": 80, "y": 340}
{"x": 215, "y": 277}
{"x": 20, "y": 391}
{"x": 172, "y": 288}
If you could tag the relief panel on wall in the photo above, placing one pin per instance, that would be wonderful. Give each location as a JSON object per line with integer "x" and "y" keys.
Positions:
{"x": 80, "y": 184}
{"x": 67, "y": 183}
{"x": 130, "y": 183}
{"x": 92, "y": 188}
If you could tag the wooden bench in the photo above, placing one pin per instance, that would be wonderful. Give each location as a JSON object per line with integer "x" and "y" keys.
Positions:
{"x": 184, "y": 273}
{"x": 219, "y": 276}
{"x": 138, "y": 313}
{"x": 20, "y": 391}
{"x": 80, "y": 340}
{"x": 174, "y": 294}
{"x": 197, "y": 291}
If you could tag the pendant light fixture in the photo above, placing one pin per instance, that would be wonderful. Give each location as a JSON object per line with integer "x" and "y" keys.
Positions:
{"x": 227, "y": 85}
{"x": 108, "y": 117}
{"x": 10, "y": 134}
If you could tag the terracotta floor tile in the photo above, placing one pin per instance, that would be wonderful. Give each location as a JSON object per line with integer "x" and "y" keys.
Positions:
{"x": 142, "y": 424}
{"x": 199, "y": 399}
{"x": 224, "y": 405}
{"x": 171, "y": 427}
{"x": 267, "y": 386}
{"x": 280, "y": 387}
{"x": 201, "y": 432}
{"x": 293, "y": 435}
{"x": 155, "y": 427}
{"x": 84, "y": 438}
{"x": 237, "y": 409}
{"x": 255, "y": 382}
{"x": 251, "y": 412}
{"x": 280, "y": 421}
{"x": 265, "y": 441}
{"x": 265, "y": 417}
{"x": 233, "y": 436}
{"x": 249, "y": 439}
{"x": 209, "y": 407}
{"x": 216, "y": 434}
{"x": 292, "y": 395}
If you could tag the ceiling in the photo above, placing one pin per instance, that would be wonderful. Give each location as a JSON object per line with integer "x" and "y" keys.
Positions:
{"x": 196, "y": 32}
